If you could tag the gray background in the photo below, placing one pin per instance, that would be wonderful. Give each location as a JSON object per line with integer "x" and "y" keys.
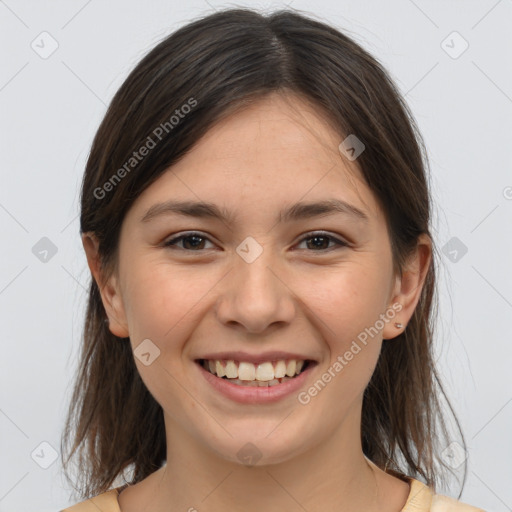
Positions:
{"x": 51, "y": 108}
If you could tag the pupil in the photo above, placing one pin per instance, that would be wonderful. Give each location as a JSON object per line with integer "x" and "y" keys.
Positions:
{"x": 316, "y": 238}
{"x": 196, "y": 238}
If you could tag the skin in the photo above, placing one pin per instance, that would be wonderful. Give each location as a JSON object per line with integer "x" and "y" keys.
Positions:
{"x": 294, "y": 297}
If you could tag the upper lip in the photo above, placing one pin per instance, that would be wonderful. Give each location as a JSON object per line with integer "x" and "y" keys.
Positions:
{"x": 275, "y": 355}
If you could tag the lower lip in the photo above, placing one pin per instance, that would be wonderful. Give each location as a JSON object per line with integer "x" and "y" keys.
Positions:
{"x": 254, "y": 394}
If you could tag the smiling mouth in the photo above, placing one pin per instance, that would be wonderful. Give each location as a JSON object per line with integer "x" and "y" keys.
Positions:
{"x": 266, "y": 374}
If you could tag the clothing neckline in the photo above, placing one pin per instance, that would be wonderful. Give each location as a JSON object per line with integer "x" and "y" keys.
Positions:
{"x": 419, "y": 498}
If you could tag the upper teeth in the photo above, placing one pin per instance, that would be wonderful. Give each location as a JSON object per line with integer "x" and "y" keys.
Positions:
{"x": 247, "y": 371}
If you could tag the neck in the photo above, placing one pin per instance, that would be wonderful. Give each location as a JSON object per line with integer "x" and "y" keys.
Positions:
{"x": 331, "y": 475}
{"x": 334, "y": 475}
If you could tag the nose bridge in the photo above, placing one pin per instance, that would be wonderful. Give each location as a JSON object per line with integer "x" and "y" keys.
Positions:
{"x": 253, "y": 267}
{"x": 256, "y": 296}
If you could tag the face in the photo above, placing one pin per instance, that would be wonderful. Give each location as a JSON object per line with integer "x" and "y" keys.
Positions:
{"x": 307, "y": 285}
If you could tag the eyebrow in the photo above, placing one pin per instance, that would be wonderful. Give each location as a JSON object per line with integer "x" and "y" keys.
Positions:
{"x": 301, "y": 210}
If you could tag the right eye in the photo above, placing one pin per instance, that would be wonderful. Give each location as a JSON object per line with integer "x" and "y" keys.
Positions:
{"x": 193, "y": 240}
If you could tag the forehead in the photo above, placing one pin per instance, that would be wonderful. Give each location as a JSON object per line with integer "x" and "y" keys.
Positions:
{"x": 275, "y": 125}
{"x": 277, "y": 151}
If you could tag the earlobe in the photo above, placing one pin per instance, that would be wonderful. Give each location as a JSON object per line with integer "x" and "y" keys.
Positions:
{"x": 408, "y": 287}
{"x": 109, "y": 289}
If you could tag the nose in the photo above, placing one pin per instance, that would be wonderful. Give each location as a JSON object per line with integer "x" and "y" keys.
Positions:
{"x": 256, "y": 296}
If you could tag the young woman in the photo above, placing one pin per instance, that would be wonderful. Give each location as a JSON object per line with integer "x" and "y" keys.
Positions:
{"x": 255, "y": 214}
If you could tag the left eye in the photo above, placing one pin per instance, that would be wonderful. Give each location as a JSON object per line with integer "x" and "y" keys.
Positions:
{"x": 323, "y": 236}
{"x": 195, "y": 241}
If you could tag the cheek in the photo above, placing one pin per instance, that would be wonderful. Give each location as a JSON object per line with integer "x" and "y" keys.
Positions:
{"x": 165, "y": 305}
{"x": 345, "y": 307}
{"x": 345, "y": 301}
{"x": 340, "y": 303}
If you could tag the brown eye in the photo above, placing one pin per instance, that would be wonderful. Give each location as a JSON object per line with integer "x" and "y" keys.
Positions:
{"x": 316, "y": 242}
{"x": 320, "y": 241}
{"x": 191, "y": 241}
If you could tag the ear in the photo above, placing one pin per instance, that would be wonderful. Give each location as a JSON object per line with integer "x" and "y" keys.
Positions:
{"x": 109, "y": 290}
{"x": 408, "y": 287}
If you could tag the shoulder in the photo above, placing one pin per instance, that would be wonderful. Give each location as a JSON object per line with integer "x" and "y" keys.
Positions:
{"x": 106, "y": 502}
{"x": 441, "y": 503}
{"x": 423, "y": 499}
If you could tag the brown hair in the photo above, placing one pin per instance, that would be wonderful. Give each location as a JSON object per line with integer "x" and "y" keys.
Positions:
{"x": 219, "y": 64}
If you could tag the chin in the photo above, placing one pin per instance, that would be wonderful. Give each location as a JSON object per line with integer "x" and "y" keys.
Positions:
{"x": 257, "y": 450}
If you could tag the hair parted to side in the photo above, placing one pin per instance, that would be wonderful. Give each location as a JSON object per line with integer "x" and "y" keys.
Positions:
{"x": 225, "y": 61}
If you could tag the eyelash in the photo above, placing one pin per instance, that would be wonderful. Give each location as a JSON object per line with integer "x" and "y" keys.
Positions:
{"x": 340, "y": 243}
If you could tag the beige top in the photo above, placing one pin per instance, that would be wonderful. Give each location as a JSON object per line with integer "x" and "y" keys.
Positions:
{"x": 421, "y": 499}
